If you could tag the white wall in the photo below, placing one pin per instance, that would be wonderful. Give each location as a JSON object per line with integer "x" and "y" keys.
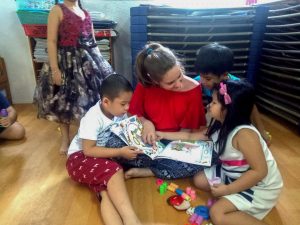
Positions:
{"x": 118, "y": 11}
{"x": 14, "y": 48}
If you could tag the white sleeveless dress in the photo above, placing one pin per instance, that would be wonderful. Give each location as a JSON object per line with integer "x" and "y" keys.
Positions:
{"x": 258, "y": 200}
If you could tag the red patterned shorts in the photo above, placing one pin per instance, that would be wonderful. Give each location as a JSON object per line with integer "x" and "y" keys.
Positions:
{"x": 91, "y": 171}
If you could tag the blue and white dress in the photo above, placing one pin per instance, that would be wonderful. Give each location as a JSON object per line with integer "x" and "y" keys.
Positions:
{"x": 258, "y": 200}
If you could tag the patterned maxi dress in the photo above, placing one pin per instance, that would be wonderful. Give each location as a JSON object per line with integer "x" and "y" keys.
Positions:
{"x": 83, "y": 69}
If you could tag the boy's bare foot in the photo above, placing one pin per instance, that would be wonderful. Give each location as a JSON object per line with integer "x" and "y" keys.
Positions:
{"x": 138, "y": 172}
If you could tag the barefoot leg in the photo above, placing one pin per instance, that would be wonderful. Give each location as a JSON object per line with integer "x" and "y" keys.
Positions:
{"x": 119, "y": 197}
{"x": 138, "y": 172}
{"x": 224, "y": 212}
{"x": 109, "y": 213}
{"x": 65, "y": 140}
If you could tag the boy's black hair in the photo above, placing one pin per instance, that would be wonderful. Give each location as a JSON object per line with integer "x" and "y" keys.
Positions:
{"x": 214, "y": 58}
{"x": 242, "y": 96}
{"x": 113, "y": 85}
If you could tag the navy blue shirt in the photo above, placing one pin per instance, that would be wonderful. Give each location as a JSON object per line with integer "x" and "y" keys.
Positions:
{"x": 4, "y": 104}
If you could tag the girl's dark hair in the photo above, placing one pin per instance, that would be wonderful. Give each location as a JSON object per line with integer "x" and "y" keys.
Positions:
{"x": 153, "y": 62}
{"x": 214, "y": 58}
{"x": 79, "y": 4}
{"x": 113, "y": 85}
{"x": 238, "y": 112}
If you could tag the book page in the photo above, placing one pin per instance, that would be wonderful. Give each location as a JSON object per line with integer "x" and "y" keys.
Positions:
{"x": 199, "y": 152}
{"x": 117, "y": 130}
{"x": 131, "y": 130}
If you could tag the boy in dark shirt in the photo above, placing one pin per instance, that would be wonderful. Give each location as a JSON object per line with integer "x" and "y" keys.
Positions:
{"x": 9, "y": 127}
{"x": 213, "y": 64}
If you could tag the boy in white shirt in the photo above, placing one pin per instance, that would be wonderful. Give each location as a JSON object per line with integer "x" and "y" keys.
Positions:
{"x": 90, "y": 162}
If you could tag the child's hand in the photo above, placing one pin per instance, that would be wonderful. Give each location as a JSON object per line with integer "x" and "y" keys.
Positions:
{"x": 57, "y": 77}
{"x": 130, "y": 152}
{"x": 219, "y": 190}
{"x": 5, "y": 121}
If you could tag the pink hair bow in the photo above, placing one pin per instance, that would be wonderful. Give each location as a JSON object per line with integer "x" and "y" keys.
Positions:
{"x": 223, "y": 91}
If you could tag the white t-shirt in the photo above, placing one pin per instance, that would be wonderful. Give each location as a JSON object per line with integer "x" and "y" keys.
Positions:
{"x": 93, "y": 126}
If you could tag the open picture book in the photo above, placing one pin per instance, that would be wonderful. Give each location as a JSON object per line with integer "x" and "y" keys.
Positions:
{"x": 197, "y": 152}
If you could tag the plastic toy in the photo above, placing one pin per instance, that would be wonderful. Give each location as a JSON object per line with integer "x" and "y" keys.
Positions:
{"x": 163, "y": 188}
{"x": 174, "y": 188}
{"x": 159, "y": 182}
{"x": 178, "y": 202}
{"x": 215, "y": 180}
{"x": 183, "y": 194}
{"x": 3, "y": 113}
{"x": 191, "y": 193}
{"x": 210, "y": 202}
{"x": 198, "y": 214}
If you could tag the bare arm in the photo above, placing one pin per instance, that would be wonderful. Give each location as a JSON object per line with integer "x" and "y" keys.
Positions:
{"x": 93, "y": 32}
{"x": 90, "y": 149}
{"x": 183, "y": 135}
{"x": 247, "y": 141}
{"x": 55, "y": 16}
{"x": 258, "y": 123}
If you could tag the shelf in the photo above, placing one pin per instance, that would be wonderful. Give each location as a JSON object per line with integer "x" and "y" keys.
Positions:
{"x": 39, "y": 55}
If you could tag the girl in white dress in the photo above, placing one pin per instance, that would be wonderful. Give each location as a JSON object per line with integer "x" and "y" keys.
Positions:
{"x": 250, "y": 180}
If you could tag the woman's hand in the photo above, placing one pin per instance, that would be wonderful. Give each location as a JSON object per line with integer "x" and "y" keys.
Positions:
{"x": 159, "y": 135}
{"x": 130, "y": 152}
{"x": 148, "y": 133}
{"x": 57, "y": 77}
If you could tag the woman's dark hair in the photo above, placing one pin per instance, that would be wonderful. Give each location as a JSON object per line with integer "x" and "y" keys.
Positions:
{"x": 238, "y": 112}
{"x": 113, "y": 85}
{"x": 214, "y": 58}
{"x": 153, "y": 62}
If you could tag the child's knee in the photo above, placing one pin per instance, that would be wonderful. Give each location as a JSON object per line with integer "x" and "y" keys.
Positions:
{"x": 200, "y": 181}
{"x": 216, "y": 215}
{"x": 14, "y": 132}
{"x": 19, "y": 132}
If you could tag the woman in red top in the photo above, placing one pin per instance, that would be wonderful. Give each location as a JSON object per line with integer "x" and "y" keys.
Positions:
{"x": 165, "y": 100}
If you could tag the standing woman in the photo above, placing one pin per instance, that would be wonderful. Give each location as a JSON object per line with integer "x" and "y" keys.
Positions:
{"x": 69, "y": 84}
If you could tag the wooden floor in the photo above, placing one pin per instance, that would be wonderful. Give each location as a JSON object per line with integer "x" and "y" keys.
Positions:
{"x": 35, "y": 188}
